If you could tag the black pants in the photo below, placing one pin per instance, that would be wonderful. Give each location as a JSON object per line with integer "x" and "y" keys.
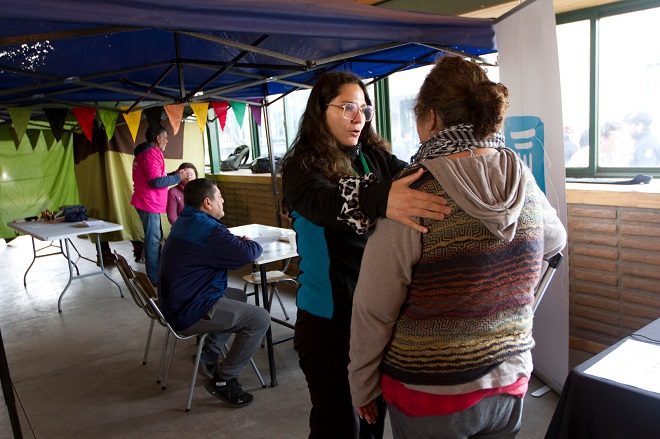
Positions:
{"x": 322, "y": 346}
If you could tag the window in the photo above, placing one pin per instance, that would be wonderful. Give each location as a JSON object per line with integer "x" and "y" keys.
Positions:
{"x": 611, "y": 115}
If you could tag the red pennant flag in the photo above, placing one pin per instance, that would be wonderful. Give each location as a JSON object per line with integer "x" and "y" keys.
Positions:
{"x": 85, "y": 116}
{"x": 221, "y": 109}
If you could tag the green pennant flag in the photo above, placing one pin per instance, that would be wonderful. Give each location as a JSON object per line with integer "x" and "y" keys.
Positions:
{"x": 239, "y": 112}
{"x": 49, "y": 137}
{"x": 66, "y": 139}
{"x": 33, "y": 135}
{"x": 109, "y": 120}
{"x": 20, "y": 117}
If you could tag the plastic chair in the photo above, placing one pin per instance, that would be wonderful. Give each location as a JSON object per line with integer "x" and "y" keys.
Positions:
{"x": 148, "y": 293}
{"x": 273, "y": 279}
{"x": 128, "y": 274}
{"x": 553, "y": 263}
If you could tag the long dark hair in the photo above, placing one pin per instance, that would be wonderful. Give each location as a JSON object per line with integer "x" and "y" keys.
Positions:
{"x": 315, "y": 148}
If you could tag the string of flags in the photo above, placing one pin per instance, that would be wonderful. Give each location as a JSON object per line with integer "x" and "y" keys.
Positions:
{"x": 87, "y": 117}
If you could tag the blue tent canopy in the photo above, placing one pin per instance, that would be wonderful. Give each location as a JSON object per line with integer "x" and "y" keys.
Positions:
{"x": 158, "y": 52}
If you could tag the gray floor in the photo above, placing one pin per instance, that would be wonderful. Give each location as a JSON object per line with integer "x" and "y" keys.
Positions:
{"x": 79, "y": 373}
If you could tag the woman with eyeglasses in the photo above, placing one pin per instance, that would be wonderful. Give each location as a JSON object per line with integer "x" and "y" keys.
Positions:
{"x": 337, "y": 181}
{"x": 442, "y": 322}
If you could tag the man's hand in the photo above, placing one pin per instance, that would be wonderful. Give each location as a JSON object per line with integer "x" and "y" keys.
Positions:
{"x": 403, "y": 203}
{"x": 368, "y": 412}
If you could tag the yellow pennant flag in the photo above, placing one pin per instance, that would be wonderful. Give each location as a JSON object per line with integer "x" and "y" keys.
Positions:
{"x": 201, "y": 111}
{"x": 174, "y": 114}
{"x": 133, "y": 121}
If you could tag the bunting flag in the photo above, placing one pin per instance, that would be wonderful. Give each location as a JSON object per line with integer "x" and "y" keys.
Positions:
{"x": 20, "y": 117}
{"x": 174, "y": 114}
{"x": 109, "y": 120}
{"x": 256, "y": 110}
{"x": 85, "y": 116}
{"x": 201, "y": 111}
{"x": 220, "y": 109}
{"x": 56, "y": 119}
{"x": 49, "y": 137}
{"x": 133, "y": 121}
{"x": 153, "y": 115}
{"x": 66, "y": 139}
{"x": 33, "y": 136}
{"x": 239, "y": 112}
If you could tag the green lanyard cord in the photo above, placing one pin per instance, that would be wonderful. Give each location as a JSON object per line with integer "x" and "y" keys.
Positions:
{"x": 365, "y": 166}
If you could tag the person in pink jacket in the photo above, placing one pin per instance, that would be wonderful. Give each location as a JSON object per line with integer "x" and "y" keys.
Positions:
{"x": 175, "y": 195}
{"x": 150, "y": 183}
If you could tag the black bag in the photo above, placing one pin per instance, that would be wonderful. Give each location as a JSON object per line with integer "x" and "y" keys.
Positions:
{"x": 235, "y": 159}
{"x": 74, "y": 213}
{"x": 261, "y": 165}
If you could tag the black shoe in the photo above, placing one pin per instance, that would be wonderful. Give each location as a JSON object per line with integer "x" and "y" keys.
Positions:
{"x": 208, "y": 363}
{"x": 229, "y": 391}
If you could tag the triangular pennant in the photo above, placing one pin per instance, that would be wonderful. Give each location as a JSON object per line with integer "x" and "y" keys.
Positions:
{"x": 133, "y": 121}
{"x": 20, "y": 117}
{"x": 33, "y": 135}
{"x": 201, "y": 111}
{"x": 85, "y": 116}
{"x": 153, "y": 116}
{"x": 220, "y": 109}
{"x": 174, "y": 114}
{"x": 239, "y": 112}
{"x": 56, "y": 119}
{"x": 49, "y": 137}
{"x": 14, "y": 137}
{"x": 66, "y": 139}
{"x": 256, "y": 110}
{"x": 109, "y": 119}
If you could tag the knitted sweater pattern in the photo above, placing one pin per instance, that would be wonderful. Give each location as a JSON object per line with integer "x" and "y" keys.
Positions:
{"x": 463, "y": 324}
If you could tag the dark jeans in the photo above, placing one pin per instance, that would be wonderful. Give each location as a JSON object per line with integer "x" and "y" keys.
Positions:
{"x": 322, "y": 346}
{"x": 152, "y": 237}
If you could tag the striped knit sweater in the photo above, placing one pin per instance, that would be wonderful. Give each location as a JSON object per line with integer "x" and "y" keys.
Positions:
{"x": 469, "y": 302}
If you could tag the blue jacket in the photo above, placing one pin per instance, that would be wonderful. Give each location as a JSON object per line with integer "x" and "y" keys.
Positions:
{"x": 194, "y": 263}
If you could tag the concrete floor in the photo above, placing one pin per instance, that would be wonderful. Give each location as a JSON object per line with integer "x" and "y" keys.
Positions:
{"x": 79, "y": 373}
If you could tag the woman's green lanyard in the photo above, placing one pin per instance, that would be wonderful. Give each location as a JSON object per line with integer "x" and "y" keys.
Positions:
{"x": 364, "y": 164}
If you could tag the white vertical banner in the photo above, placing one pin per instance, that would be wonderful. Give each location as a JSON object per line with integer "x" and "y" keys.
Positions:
{"x": 529, "y": 68}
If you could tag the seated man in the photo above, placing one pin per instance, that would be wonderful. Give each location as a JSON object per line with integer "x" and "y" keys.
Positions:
{"x": 193, "y": 293}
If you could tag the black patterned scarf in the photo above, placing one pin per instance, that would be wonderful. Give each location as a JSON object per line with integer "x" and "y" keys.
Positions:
{"x": 454, "y": 139}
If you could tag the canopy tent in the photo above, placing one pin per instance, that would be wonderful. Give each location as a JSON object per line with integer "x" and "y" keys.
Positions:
{"x": 159, "y": 52}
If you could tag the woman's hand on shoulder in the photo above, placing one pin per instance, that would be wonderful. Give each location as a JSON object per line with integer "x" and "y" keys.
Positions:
{"x": 403, "y": 203}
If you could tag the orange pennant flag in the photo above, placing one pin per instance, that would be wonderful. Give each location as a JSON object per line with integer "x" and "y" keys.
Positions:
{"x": 85, "y": 116}
{"x": 174, "y": 114}
{"x": 132, "y": 120}
{"x": 201, "y": 111}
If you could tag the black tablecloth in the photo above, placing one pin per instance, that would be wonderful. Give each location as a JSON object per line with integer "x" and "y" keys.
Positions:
{"x": 591, "y": 407}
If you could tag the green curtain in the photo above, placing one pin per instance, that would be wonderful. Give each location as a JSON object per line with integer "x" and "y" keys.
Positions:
{"x": 33, "y": 177}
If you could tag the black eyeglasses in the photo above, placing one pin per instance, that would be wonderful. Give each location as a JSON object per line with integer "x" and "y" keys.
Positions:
{"x": 351, "y": 111}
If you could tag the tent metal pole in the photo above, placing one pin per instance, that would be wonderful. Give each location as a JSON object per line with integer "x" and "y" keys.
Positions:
{"x": 271, "y": 159}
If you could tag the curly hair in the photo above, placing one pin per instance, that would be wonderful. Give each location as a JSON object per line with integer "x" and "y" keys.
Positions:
{"x": 459, "y": 91}
{"x": 315, "y": 148}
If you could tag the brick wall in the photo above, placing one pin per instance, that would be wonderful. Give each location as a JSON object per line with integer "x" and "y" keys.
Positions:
{"x": 614, "y": 272}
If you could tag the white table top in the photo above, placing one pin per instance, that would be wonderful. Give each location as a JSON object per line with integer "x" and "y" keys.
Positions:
{"x": 273, "y": 252}
{"x": 45, "y": 231}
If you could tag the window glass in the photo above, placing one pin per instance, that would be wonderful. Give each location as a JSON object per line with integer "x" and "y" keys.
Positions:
{"x": 233, "y": 134}
{"x": 573, "y": 45}
{"x": 629, "y": 89}
{"x": 404, "y": 87}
